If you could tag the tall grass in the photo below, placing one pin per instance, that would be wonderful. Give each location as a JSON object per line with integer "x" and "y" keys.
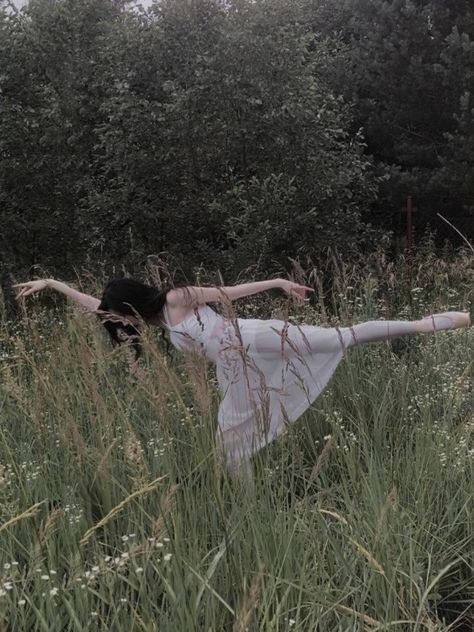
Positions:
{"x": 115, "y": 513}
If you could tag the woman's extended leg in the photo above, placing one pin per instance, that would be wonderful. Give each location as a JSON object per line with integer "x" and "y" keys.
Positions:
{"x": 374, "y": 331}
{"x": 332, "y": 339}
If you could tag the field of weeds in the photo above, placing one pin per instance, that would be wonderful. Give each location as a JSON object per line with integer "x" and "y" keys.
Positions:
{"x": 115, "y": 513}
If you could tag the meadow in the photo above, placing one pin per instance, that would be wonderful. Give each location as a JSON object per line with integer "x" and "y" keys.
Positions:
{"x": 115, "y": 513}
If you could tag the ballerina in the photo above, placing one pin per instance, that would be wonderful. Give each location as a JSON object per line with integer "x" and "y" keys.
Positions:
{"x": 269, "y": 371}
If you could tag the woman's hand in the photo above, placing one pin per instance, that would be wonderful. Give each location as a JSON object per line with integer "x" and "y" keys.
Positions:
{"x": 30, "y": 287}
{"x": 298, "y": 292}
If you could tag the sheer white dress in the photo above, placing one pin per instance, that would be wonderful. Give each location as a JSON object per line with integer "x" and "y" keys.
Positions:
{"x": 270, "y": 371}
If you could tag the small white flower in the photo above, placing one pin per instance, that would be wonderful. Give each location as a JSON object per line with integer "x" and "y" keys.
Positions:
{"x": 326, "y": 438}
{"x": 54, "y": 591}
{"x": 291, "y": 622}
{"x": 95, "y": 569}
{"x": 6, "y": 566}
{"x": 21, "y": 602}
{"x": 125, "y": 538}
{"x": 167, "y": 557}
{"x": 123, "y": 600}
{"x": 44, "y": 576}
{"x": 94, "y": 614}
{"x": 52, "y": 572}
{"x": 2, "y": 592}
{"x": 166, "y": 540}
{"x": 138, "y": 570}
{"x": 8, "y": 586}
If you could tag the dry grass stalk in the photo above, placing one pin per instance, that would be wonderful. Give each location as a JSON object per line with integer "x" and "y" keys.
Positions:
{"x": 101, "y": 465}
{"x": 368, "y": 621}
{"x": 159, "y": 530}
{"x": 168, "y": 384}
{"x": 333, "y": 514}
{"x": 118, "y": 508}
{"x": 49, "y": 526}
{"x": 29, "y": 513}
{"x": 368, "y": 556}
{"x": 388, "y": 504}
{"x": 322, "y": 459}
{"x": 71, "y": 432}
{"x": 134, "y": 456}
{"x": 196, "y": 367}
{"x": 249, "y": 603}
{"x": 11, "y": 386}
{"x": 166, "y": 506}
{"x": 464, "y": 238}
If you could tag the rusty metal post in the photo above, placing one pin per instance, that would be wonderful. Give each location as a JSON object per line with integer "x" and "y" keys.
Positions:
{"x": 409, "y": 209}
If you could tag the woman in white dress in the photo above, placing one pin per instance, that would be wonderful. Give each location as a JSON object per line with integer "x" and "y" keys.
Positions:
{"x": 269, "y": 371}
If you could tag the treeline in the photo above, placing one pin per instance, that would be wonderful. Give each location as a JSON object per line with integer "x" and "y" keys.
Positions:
{"x": 228, "y": 133}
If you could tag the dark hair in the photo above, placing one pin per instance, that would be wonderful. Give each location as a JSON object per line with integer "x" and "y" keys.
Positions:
{"x": 130, "y": 298}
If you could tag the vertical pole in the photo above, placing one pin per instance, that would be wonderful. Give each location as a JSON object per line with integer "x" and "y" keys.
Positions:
{"x": 409, "y": 223}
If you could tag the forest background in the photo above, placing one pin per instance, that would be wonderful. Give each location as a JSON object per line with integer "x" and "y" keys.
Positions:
{"x": 229, "y": 134}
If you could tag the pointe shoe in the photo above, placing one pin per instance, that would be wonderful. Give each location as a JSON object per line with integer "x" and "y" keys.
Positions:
{"x": 447, "y": 320}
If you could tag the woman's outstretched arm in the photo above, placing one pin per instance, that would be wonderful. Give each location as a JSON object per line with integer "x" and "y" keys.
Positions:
{"x": 90, "y": 303}
{"x": 194, "y": 295}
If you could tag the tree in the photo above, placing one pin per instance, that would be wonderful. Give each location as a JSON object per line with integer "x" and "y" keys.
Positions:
{"x": 409, "y": 65}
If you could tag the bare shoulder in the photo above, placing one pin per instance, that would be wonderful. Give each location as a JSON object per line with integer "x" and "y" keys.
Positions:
{"x": 182, "y": 297}
{"x": 92, "y": 304}
{"x": 179, "y": 306}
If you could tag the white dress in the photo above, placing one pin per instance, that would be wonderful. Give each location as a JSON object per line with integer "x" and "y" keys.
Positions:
{"x": 269, "y": 372}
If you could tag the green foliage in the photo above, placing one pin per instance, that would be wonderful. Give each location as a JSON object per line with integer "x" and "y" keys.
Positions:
{"x": 409, "y": 74}
{"x": 131, "y": 133}
{"x": 228, "y": 134}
